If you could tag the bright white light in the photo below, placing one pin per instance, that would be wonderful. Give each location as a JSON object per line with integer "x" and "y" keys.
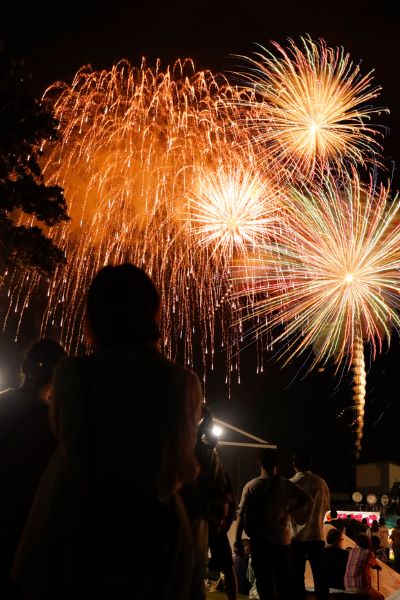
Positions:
{"x": 217, "y": 430}
{"x": 349, "y": 278}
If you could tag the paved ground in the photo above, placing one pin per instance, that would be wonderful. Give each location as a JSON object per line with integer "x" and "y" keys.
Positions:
{"x": 220, "y": 596}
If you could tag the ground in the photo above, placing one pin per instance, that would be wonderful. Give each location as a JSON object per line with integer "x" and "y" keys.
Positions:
{"x": 221, "y": 596}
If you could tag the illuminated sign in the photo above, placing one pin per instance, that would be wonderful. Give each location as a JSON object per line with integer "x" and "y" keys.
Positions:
{"x": 358, "y": 515}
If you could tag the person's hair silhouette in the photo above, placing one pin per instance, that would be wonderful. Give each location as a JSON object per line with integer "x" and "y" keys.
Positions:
{"x": 122, "y": 309}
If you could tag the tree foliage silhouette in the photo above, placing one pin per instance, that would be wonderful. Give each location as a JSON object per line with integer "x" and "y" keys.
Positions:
{"x": 25, "y": 125}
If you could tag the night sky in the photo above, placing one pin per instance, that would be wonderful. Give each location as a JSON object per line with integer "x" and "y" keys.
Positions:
{"x": 310, "y": 411}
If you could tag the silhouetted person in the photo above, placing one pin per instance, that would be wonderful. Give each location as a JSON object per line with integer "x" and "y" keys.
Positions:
{"x": 205, "y": 500}
{"x": 219, "y": 546}
{"x": 107, "y": 521}
{"x": 334, "y": 558}
{"x": 384, "y": 537}
{"x": 26, "y": 444}
{"x": 378, "y": 550}
{"x": 365, "y": 528}
{"x": 240, "y": 563}
{"x": 308, "y": 541}
{"x": 267, "y": 503}
{"x": 335, "y": 521}
{"x": 352, "y": 527}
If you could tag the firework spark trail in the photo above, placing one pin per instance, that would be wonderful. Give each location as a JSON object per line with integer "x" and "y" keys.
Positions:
{"x": 310, "y": 108}
{"x": 332, "y": 278}
{"x": 135, "y": 144}
{"x": 359, "y": 378}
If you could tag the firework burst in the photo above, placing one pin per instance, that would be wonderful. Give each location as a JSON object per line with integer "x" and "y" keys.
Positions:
{"x": 232, "y": 209}
{"x": 310, "y": 107}
{"x": 332, "y": 277}
{"x": 134, "y": 146}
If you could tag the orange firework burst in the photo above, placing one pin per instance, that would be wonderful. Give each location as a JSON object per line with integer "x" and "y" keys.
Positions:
{"x": 332, "y": 278}
{"x": 311, "y": 107}
{"x": 133, "y": 147}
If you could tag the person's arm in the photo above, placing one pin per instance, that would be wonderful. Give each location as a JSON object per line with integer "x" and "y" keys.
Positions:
{"x": 65, "y": 410}
{"x": 67, "y": 418}
{"x": 241, "y": 508}
{"x": 188, "y": 468}
{"x": 300, "y": 504}
{"x": 372, "y": 561}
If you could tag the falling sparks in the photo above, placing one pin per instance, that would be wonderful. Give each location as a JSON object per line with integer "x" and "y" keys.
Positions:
{"x": 140, "y": 151}
{"x": 332, "y": 278}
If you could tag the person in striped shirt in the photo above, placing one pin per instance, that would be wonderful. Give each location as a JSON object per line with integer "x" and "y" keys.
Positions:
{"x": 361, "y": 560}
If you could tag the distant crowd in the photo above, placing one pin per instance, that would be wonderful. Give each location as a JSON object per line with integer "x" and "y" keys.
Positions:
{"x": 283, "y": 521}
{"x": 111, "y": 484}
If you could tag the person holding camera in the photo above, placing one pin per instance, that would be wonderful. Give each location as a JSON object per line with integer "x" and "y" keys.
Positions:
{"x": 205, "y": 499}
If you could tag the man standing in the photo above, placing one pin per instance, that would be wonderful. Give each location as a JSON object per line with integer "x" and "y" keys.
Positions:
{"x": 308, "y": 541}
{"x": 264, "y": 511}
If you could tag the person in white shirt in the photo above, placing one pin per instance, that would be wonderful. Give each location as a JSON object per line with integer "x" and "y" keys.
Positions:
{"x": 308, "y": 541}
{"x": 264, "y": 513}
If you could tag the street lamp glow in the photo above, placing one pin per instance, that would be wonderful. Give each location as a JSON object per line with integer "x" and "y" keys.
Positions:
{"x": 217, "y": 430}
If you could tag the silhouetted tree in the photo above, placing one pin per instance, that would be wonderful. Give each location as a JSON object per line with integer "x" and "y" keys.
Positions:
{"x": 25, "y": 124}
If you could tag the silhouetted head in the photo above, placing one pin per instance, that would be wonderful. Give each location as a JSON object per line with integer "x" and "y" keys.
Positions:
{"x": 333, "y": 514}
{"x": 122, "y": 309}
{"x": 39, "y": 364}
{"x": 269, "y": 460}
{"x": 375, "y": 542}
{"x": 363, "y": 541}
{"x": 374, "y": 525}
{"x": 334, "y": 537}
{"x": 382, "y": 521}
{"x": 301, "y": 460}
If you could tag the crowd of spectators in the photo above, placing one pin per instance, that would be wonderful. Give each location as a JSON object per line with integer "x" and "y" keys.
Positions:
{"x": 111, "y": 485}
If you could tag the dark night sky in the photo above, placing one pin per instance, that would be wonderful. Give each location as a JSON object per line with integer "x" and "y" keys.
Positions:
{"x": 56, "y": 42}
